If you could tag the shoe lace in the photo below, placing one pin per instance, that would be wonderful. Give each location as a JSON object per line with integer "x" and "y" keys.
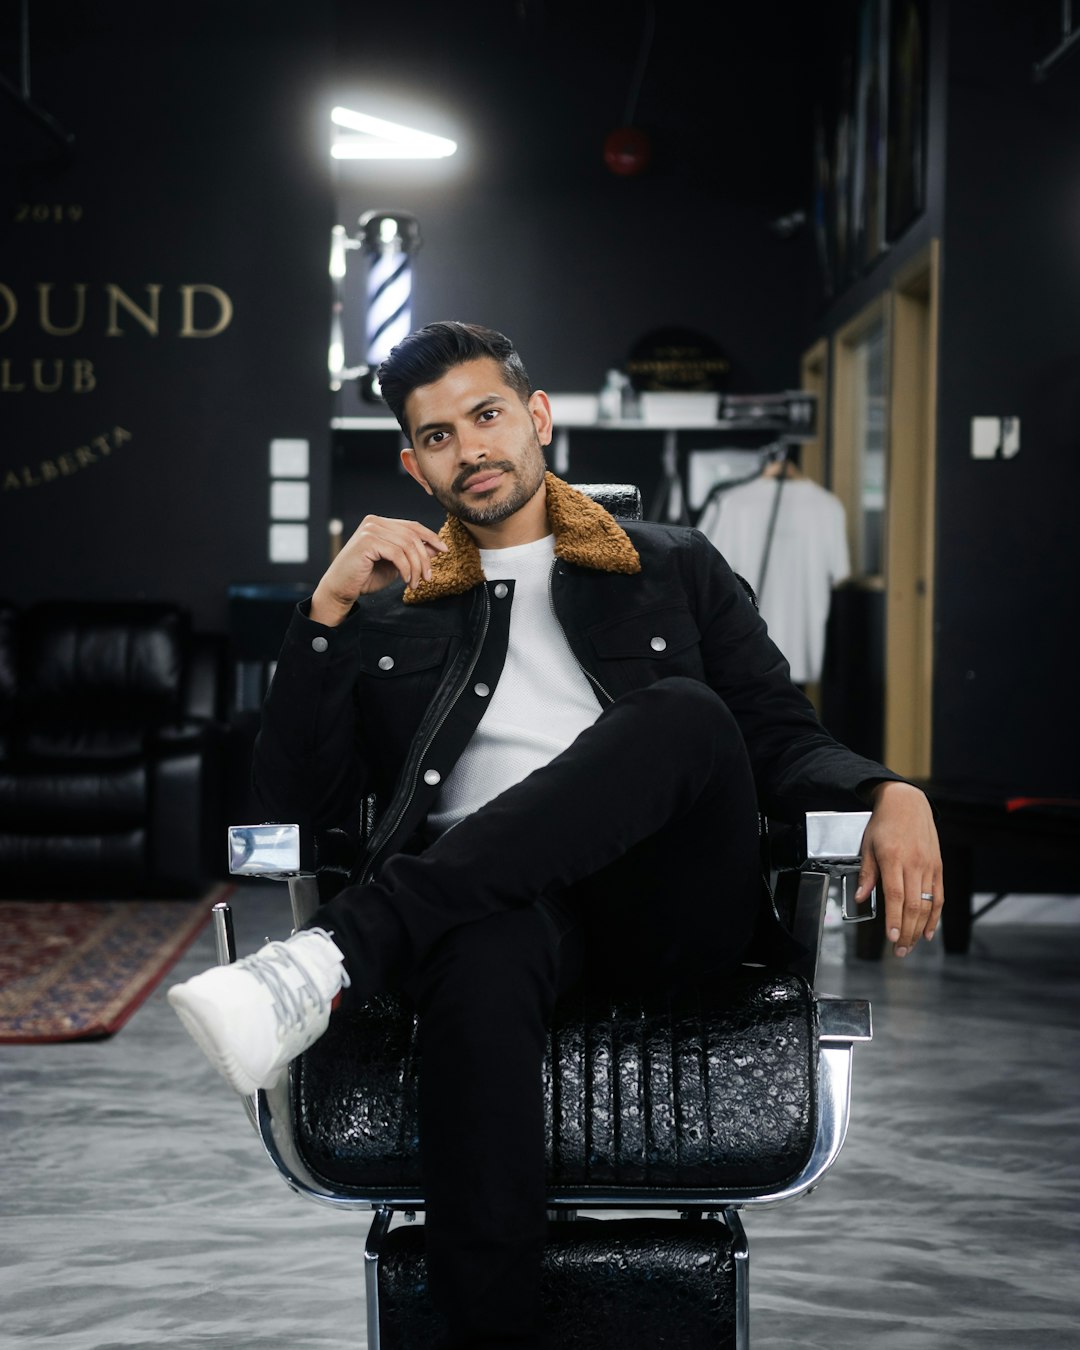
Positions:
{"x": 288, "y": 1001}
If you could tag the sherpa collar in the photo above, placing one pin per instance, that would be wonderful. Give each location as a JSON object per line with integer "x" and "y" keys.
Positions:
{"x": 584, "y": 533}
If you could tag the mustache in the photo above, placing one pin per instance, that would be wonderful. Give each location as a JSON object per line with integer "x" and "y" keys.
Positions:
{"x": 466, "y": 476}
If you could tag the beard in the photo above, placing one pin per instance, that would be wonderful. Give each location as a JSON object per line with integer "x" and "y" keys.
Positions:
{"x": 527, "y": 477}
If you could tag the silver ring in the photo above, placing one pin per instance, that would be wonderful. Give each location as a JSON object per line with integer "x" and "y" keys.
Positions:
{"x": 926, "y": 895}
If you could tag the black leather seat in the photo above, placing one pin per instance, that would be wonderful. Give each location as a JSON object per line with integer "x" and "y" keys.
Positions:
{"x": 109, "y": 749}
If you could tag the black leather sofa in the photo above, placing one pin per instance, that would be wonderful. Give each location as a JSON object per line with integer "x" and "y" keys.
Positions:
{"x": 110, "y": 750}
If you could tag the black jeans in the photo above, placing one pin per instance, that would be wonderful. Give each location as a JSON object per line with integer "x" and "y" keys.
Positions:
{"x": 631, "y": 859}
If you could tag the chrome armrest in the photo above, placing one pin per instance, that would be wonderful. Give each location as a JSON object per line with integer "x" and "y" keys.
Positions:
{"x": 272, "y": 852}
{"x": 833, "y": 847}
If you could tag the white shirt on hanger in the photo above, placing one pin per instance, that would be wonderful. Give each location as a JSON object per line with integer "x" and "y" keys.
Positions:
{"x": 809, "y": 556}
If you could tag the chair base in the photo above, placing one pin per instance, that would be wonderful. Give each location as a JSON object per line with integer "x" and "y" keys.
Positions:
{"x": 680, "y": 1284}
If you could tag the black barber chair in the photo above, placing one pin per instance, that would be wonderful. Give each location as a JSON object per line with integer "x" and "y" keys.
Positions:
{"x": 722, "y": 1100}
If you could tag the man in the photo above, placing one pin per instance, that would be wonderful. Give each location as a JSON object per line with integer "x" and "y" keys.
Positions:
{"x": 568, "y": 726}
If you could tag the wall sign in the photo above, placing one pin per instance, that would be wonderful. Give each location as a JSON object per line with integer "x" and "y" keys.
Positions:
{"x": 61, "y": 341}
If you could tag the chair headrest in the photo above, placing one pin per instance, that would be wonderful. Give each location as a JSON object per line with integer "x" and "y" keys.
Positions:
{"x": 623, "y": 500}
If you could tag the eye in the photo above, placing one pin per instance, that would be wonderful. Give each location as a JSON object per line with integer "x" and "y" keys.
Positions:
{"x": 436, "y": 438}
{"x": 489, "y": 415}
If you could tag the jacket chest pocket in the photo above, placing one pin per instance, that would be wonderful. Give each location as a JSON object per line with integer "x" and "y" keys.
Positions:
{"x": 397, "y": 672}
{"x": 664, "y": 641}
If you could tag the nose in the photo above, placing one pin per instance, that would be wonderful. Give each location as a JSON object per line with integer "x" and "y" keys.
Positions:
{"x": 471, "y": 447}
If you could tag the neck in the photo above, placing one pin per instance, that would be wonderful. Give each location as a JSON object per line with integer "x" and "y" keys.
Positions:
{"x": 525, "y": 526}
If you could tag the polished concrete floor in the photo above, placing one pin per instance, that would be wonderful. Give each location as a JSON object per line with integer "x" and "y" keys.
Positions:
{"x": 136, "y": 1207}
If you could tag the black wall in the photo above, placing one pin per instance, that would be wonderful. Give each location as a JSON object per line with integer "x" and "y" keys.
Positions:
{"x": 528, "y": 231}
{"x": 1008, "y": 548}
{"x": 198, "y": 159}
{"x": 1003, "y": 195}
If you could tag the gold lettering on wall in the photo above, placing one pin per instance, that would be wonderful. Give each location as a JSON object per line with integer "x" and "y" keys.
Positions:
{"x": 7, "y": 384}
{"x": 82, "y": 377}
{"x": 65, "y": 309}
{"x": 225, "y": 310}
{"x": 79, "y": 371}
{"x": 148, "y": 318}
{"x": 39, "y": 379}
{"x": 7, "y": 295}
{"x": 65, "y": 464}
{"x": 64, "y": 315}
{"x": 44, "y": 290}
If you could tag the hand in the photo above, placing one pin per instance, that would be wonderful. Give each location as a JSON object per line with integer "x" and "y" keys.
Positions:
{"x": 381, "y": 550}
{"x": 901, "y": 855}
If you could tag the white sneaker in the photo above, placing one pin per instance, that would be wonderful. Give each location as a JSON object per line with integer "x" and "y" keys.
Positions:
{"x": 252, "y": 1017}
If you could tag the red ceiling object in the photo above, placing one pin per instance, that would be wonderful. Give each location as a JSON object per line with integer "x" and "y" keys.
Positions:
{"x": 627, "y": 151}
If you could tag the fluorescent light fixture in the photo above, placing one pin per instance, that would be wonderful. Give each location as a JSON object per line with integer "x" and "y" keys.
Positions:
{"x": 385, "y": 140}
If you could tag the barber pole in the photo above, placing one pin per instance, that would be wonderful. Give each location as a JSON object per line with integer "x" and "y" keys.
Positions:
{"x": 389, "y": 238}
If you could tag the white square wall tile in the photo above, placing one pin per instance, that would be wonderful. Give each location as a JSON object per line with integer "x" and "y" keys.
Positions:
{"x": 289, "y": 500}
{"x": 288, "y": 543}
{"x": 289, "y": 458}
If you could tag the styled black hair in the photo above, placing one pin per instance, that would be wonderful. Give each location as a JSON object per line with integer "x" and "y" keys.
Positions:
{"x": 426, "y": 355}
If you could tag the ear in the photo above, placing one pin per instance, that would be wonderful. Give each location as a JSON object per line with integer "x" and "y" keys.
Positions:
{"x": 412, "y": 468}
{"x": 539, "y": 406}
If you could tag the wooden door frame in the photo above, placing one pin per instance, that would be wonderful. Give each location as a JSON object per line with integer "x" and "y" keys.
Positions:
{"x": 908, "y": 311}
{"x": 814, "y": 378}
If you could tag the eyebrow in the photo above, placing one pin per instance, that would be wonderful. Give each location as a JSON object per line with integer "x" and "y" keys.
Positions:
{"x": 485, "y": 402}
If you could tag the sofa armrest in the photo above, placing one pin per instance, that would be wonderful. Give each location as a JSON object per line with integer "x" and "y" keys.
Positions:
{"x": 186, "y": 768}
{"x": 204, "y": 682}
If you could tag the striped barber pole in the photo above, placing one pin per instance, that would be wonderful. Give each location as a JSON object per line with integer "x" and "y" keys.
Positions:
{"x": 389, "y": 239}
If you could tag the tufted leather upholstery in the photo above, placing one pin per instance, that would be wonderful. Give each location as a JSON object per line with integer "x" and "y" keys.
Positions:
{"x": 713, "y": 1091}
{"x": 108, "y": 748}
{"x": 630, "y": 1282}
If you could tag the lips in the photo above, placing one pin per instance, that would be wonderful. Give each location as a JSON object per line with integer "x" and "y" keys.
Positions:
{"x": 483, "y": 482}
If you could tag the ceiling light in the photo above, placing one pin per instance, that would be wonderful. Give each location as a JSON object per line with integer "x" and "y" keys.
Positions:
{"x": 385, "y": 140}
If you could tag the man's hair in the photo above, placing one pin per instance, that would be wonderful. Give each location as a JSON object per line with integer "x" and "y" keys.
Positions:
{"x": 426, "y": 355}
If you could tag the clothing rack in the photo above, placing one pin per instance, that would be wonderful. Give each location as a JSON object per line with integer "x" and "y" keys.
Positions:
{"x": 791, "y": 415}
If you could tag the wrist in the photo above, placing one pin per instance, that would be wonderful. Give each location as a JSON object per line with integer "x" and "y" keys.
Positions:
{"x": 889, "y": 787}
{"x": 329, "y": 609}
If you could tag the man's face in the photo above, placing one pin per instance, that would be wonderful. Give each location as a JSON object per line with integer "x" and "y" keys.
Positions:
{"x": 476, "y": 447}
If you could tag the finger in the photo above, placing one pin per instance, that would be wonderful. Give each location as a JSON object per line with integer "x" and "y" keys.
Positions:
{"x": 868, "y": 872}
{"x": 916, "y": 909}
{"x": 891, "y": 886}
{"x": 419, "y": 568}
{"x": 938, "y": 887}
{"x": 428, "y": 538}
{"x": 397, "y": 556}
{"x": 422, "y": 545}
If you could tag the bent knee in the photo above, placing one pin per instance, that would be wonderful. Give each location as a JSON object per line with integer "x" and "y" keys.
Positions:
{"x": 684, "y": 706}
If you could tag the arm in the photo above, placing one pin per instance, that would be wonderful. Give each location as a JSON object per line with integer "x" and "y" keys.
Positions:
{"x": 309, "y": 762}
{"x": 798, "y": 764}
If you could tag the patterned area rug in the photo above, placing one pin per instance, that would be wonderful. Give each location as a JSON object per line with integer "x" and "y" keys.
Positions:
{"x": 77, "y": 969}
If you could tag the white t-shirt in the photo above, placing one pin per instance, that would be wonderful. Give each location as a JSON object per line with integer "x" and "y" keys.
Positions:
{"x": 809, "y": 556}
{"x": 542, "y": 702}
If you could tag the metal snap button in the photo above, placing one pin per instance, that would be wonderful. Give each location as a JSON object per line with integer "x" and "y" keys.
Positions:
{"x": 432, "y": 777}
{"x": 658, "y": 644}
{"x": 502, "y": 590}
{"x": 482, "y": 689}
{"x": 386, "y": 663}
{"x": 319, "y": 644}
